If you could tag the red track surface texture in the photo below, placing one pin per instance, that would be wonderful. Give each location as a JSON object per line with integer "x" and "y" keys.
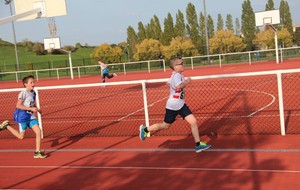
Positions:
{"x": 233, "y": 162}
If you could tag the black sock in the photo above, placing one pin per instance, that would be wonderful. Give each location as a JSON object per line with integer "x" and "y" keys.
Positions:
{"x": 197, "y": 143}
{"x": 146, "y": 130}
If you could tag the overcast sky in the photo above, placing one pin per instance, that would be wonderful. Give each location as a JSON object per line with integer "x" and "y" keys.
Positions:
{"x": 95, "y": 22}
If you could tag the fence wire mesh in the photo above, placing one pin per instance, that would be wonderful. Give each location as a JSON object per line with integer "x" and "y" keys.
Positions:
{"x": 223, "y": 105}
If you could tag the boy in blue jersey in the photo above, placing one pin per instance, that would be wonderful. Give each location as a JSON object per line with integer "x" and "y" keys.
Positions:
{"x": 176, "y": 106}
{"x": 25, "y": 115}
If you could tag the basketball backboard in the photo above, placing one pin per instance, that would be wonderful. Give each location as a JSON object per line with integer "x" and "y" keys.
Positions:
{"x": 50, "y": 8}
{"x": 51, "y": 43}
{"x": 267, "y": 17}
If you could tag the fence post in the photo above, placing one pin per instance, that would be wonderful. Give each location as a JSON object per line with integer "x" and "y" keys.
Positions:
{"x": 37, "y": 75}
{"x": 148, "y": 66}
{"x": 249, "y": 54}
{"x": 78, "y": 71}
{"x": 38, "y": 105}
{"x": 83, "y": 60}
{"x": 57, "y": 74}
{"x": 49, "y": 67}
{"x": 17, "y": 78}
{"x": 124, "y": 68}
{"x": 71, "y": 65}
{"x": 280, "y": 101}
{"x": 192, "y": 63}
{"x": 145, "y": 104}
{"x": 220, "y": 60}
{"x": 281, "y": 55}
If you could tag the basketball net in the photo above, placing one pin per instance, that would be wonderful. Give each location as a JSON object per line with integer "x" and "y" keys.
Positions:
{"x": 52, "y": 26}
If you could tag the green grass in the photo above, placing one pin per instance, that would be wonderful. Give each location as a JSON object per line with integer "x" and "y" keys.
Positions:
{"x": 8, "y": 57}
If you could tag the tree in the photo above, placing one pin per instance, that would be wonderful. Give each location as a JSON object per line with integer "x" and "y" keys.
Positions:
{"x": 38, "y": 49}
{"x": 297, "y": 36}
{"x": 220, "y": 24}
{"x": 202, "y": 34}
{"x": 180, "y": 24}
{"x": 192, "y": 25}
{"x": 132, "y": 40}
{"x": 229, "y": 22}
{"x": 265, "y": 39}
{"x": 147, "y": 50}
{"x": 285, "y": 38}
{"x": 225, "y": 41}
{"x": 248, "y": 24}
{"x": 270, "y": 5}
{"x": 157, "y": 28}
{"x": 125, "y": 52}
{"x": 150, "y": 30}
{"x": 169, "y": 32}
{"x": 107, "y": 53}
{"x": 180, "y": 46}
{"x": 210, "y": 27}
{"x": 141, "y": 32}
{"x": 237, "y": 27}
{"x": 285, "y": 16}
{"x": 153, "y": 29}
{"x": 27, "y": 44}
{"x": 78, "y": 45}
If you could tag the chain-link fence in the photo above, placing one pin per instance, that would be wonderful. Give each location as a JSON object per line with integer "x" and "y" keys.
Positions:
{"x": 247, "y": 103}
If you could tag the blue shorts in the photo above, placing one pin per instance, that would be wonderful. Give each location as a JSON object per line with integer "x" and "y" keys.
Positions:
{"x": 171, "y": 115}
{"x": 29, "y": 124}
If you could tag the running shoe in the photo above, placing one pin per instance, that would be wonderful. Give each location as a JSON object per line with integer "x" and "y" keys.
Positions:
{"x": 143, "y": 134}
{"x": 202, "y": 146}
{"x": 40, "y": 154}
{"x": 4, "y": 125}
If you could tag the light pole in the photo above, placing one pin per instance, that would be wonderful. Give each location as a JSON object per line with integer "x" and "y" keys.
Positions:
{"x": 206, "y": 33}
{"x": 8, "y": 2}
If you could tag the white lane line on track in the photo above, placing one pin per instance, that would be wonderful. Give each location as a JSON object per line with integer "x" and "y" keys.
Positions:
{"x": 262, "y": 108}
{"x": 155, "y": 150}
{"x": 254, "y": 91}
{"x": 152, "y": 168}
{"x": 228, "y": 69}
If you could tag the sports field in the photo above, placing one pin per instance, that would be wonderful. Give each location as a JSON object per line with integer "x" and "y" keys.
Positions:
{"x": 91, "y": 134}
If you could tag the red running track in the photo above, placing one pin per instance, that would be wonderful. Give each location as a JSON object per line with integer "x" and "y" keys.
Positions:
{"x": 234, "y": 162}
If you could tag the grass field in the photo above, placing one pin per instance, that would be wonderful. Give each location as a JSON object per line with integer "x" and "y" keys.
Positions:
{"x": 27, "y": 58}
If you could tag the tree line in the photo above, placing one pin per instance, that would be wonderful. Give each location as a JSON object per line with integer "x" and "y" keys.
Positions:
{"x": 186, "y": 35}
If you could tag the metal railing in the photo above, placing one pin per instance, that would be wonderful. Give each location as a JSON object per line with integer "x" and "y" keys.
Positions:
{"x": 217, "y": 59}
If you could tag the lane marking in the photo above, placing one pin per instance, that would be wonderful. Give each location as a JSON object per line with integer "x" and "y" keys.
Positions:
{"x": 154, "y": 150}
{"x": 152, "y": 168}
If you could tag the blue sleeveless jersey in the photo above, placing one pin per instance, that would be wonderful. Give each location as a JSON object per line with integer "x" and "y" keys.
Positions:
{"x": 28, "y": 99}
{"x": 105, "y": 71}
{"x": 21, "y": 116}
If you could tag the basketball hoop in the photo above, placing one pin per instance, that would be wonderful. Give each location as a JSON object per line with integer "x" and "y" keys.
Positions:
{"x": 269, "y": 18}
